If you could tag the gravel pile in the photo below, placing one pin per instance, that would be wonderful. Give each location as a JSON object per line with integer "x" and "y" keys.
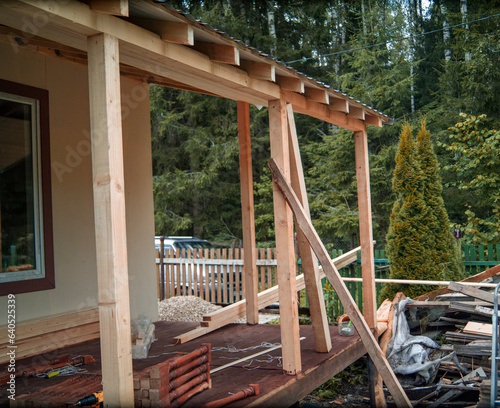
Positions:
{"x": 184, "y": 309}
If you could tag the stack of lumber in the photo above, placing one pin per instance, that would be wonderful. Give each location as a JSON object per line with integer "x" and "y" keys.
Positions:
{"x": 51, "y": 333}
{"x": 172, "y": 382}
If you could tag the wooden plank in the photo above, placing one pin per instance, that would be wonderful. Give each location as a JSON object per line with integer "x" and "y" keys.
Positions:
{"x": 292, "y": 84}
{"x": 339, "y": 105}
{"x": 484, "y": 329}
{"x": 110, "y": 219}
{"x": 269, "y": 269}
{"x": 259, "y": 70}
{"x": 114, "y": 7}
{"x": 223, "y": 53}
{"x": 474, "y": 292}
{"x": 317, "y": 95}
{"x": 365, "y": 227}
{"x": 333, "y": 276}
{"x": 285, "y": 253}
{"x": 251, "y": 276}
{"x": 267, "y": 297}
{"x": 50, "y": 324}
{"x": 169, "y": 31}
{"x": 356, "y": 112}
{"x": 219, "y": 277}
{"x": 262, "y": 270}
{"x": 314, "y": 290}
{"x": 207, "y": 276}
{"x": 373, "y": 120}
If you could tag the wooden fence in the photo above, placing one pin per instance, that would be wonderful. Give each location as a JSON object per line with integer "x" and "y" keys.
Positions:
{"x": 215, "y": 275}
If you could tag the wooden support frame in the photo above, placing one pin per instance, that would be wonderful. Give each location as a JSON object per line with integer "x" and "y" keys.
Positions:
{"x": 169, "y": 31}
{"x": 310, "y": 266}
{"x": 259, "y": 70}
{"x": 225, "y": 54}
{"x": 110, "y": 219}
{"x": 335, "y": 279}
{"x": 251, "y": 277}
{"x": 285, "y": 254}
{"x": 317, "y": 95}
{"x": 290, "y": 83}
{"x": 114, "y": 7}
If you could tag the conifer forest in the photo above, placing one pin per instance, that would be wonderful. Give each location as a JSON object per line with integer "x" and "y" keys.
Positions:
{"x": 431, "y": 64}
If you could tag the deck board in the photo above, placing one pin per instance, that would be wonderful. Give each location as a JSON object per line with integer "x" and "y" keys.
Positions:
{"x": 276, "y": 388}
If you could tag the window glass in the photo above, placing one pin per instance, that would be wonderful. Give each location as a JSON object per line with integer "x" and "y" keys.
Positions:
{"x": 21, "y": 221}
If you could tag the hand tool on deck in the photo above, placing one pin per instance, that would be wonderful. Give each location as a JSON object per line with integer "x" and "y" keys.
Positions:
{"x": 92, "y": 400}
{"x": 252, "y": 389}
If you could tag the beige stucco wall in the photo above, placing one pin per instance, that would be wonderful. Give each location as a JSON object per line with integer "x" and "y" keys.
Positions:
{"x": 72, "y": 200}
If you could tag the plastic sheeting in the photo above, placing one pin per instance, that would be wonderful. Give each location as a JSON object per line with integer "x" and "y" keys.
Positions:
{"x": 415, "y": 356}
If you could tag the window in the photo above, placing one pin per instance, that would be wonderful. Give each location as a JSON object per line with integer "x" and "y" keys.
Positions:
{"x": 27, "y": 260}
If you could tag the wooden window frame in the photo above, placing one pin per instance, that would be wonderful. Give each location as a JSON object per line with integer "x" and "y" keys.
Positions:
{"x": 48, "y": 280}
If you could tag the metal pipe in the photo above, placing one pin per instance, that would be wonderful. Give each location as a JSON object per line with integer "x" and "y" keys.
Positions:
{"x": 252, "y": 389}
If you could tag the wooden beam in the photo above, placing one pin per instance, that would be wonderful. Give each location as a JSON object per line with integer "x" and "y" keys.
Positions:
{"x": 285, "y": 253}
{"x": 339, "y": 105}
{"x": 345, "y": 297}
{"x": 110, "y": 220}
{"x": 320, "y": 111}
{"x": 356, "y": 112}
{"x": 114, "y": 7}
{"x": 314, "y": 289}
{"x": 317, "y": 95}
{"x": 169, "y": 31}
{"x": 365, "y": 228}
{"x": 251, "y": 276}
{"x": 373, "y": 120}
{"x": 476, "y": 293}
{"x": 259, "y": 70}
{"x": 225, "y": 54}
{"x": 72, "y": 22}
{"x": 291, "y": 84}
{"x": 366, "y": 241}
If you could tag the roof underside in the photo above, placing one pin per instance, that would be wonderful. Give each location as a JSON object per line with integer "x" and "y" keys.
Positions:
{"x": 161, "y": 45}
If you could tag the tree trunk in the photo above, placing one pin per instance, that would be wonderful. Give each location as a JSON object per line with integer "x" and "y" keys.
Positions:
{"x": 411, "y": 25}
{"x": 446, "y": 33}
{"x": 465, "y": 18}
{"x": 272, "y": 26}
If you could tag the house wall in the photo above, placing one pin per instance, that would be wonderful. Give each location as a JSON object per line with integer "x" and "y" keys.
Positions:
{"x": 72, "y": 199}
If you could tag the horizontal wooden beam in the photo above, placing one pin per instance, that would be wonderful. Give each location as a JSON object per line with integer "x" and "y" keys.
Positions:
{"x": 225, "y": 54}
{"x": 169, "y": 31}
{"x": 229, "y": 314}
{"x": 356, "y": 112}
{"x": 340, "y": 105}
{"x": 373, "y": 120}
{"x": 259, "y": 70}
{"x": 317, "y": 95}
{"x": 290, "y": 84}
{"x": 73, "y": 22}
{"x": 320, "y": 111}
{"x": 114, "y": 7}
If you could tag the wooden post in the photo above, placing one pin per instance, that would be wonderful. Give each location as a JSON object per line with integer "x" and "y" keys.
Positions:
{"x": 310, "y": 267}
{"x": 367, "y": 254}
{"x": 110, "y": 221}
{"x": 285, "y": 253}
{"x": 365, "y": 228}
{"x": 247, "y": 212}
{"x": 331, "y": 272}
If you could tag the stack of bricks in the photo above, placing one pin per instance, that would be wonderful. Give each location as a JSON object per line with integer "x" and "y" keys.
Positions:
{"x": 172, "y": 382}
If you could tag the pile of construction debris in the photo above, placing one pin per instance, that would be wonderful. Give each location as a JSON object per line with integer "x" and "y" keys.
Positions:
{"x": 440, "y": 345}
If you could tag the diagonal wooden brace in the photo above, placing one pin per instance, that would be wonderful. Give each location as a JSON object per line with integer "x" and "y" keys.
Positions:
{"x": 336, "y": 281}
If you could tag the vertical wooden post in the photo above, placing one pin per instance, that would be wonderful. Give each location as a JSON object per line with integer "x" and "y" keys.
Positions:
{"x": 310, "y": 266}
{"x": 110, "y": 221}
{"x": 366, "y": 241}
{"x": 247, "y": 212}
{"x": 285, "y": 253}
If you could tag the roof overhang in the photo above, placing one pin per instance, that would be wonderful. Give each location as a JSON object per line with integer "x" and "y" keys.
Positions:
{"x": 161, "y": 45}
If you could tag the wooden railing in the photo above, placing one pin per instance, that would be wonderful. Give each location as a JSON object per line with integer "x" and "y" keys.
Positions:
{"x": 214, "y": 275}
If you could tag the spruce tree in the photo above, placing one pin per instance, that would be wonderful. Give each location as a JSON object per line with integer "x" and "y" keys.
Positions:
{"x": 409, "y": 238}
{"x": 445, "y": 255}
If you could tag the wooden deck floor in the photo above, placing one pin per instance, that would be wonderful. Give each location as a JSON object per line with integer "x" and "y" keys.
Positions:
{"x": 276, "y": 388}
